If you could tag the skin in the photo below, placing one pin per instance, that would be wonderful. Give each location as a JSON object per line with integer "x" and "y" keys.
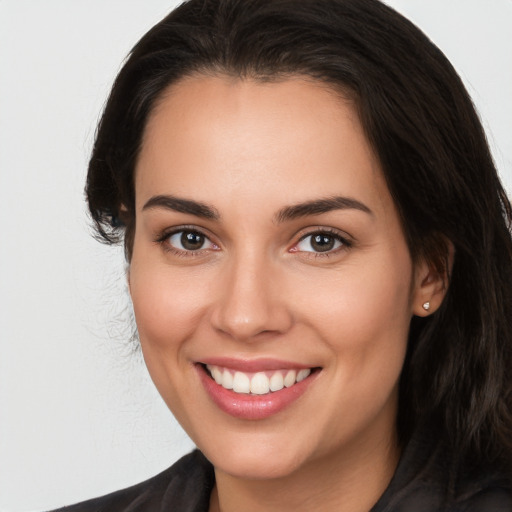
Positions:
{"x": 257, "y": 288}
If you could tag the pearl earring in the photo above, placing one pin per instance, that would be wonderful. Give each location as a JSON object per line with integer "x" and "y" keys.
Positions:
{"x": 426, "y": 306}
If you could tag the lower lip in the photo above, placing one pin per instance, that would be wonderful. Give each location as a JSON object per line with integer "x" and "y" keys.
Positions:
{"x": 252, "y": 407}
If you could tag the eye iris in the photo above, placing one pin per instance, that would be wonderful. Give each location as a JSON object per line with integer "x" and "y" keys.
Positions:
{"x": 322, "y": 242}
{"x": 192, "y": 241}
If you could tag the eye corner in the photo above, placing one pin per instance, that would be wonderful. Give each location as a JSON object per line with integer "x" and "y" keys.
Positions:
{"x": 185, "y": 241}
{"x": 321, "y": 242}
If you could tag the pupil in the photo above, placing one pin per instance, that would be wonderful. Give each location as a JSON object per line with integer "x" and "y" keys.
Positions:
{"x": 322, "y": 243}
{"x": 192, "y": 241}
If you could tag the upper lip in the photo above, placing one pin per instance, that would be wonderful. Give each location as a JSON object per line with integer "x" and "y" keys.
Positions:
{"x": 254, "y": 365}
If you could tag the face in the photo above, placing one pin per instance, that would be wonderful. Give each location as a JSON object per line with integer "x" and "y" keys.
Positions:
{"x": 271, "y": 281}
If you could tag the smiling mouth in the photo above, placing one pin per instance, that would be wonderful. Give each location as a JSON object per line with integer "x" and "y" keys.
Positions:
{"x": 258, "y": 383}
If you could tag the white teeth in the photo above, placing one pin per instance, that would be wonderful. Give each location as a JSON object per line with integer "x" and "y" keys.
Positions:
{"x": 276, "y": 382}
{"x": 227, "y": 379}
{"x": 257, "y": 383}
{"x": 303, "y": 374}
{"x": 241, "y": 383}
{"x": 260, "y": 384}
{"x": 290, "y": 379}
{"x": 217, "y": 375}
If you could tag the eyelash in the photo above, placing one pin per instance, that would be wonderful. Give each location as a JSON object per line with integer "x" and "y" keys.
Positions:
{"x": 345, "y": 244}
{"x": 163, "y": 240}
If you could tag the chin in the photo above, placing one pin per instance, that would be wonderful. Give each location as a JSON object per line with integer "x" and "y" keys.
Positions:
{"x": 251, "y": 465}
{"x": 256, "y": 459}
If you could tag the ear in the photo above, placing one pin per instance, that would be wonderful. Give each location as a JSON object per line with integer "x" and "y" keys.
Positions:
{"x": 431, "y": 282}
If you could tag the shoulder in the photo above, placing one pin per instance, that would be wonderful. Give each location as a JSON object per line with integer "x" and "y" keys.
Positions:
{"x": 428, "y": 498}
{"x": 489, "y": 493}
{"x": 185, "y": 486}
{"x": 428, "y": 479}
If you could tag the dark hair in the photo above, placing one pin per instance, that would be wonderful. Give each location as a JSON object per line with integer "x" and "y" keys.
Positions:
{"x": 422, "y": 125}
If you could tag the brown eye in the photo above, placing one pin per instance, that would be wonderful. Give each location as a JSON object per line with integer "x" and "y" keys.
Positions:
{"x": 320, "y": 242}
{"x": 189, "y": 241}
{"x": 192, "y": 241}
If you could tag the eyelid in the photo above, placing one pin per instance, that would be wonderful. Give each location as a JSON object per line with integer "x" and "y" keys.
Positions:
{"x": 346, "y": 240}
{"x": 164, "y": 235}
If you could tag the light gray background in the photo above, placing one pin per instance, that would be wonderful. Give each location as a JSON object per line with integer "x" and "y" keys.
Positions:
{"x": 78, "y": 414}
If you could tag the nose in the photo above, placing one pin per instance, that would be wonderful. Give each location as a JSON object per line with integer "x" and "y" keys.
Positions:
{"x": 250, "y": 301}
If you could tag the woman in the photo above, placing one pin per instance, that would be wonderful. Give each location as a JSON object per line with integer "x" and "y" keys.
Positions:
{"x": 319, "y": 261}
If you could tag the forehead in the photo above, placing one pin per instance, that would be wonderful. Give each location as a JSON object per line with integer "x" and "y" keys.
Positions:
{"x": 219, "y": 137}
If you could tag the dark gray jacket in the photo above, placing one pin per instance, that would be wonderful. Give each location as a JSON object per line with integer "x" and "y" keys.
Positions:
{"x": 420, "y": 484}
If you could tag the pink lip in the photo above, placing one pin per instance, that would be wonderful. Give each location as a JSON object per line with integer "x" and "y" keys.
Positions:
{"x": 252, "y": 407}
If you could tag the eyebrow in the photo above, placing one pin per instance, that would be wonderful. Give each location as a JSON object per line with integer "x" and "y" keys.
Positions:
{"x": 177, "y": 204}
{"x": 319, "y": 206}
{"x": 205, "y": 211}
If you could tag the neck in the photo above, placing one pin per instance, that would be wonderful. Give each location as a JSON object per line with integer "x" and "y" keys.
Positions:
{"x": 337, "y": 482}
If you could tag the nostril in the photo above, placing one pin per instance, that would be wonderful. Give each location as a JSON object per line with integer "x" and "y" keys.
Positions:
{"x": 251, "y": 324}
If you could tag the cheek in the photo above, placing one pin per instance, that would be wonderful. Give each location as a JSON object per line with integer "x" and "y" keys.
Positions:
{"x": 167, "y": 310}
{"x": 364, "y": 317}
{"x": 168, "y": 305}
{"x": 374, "y": 298}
